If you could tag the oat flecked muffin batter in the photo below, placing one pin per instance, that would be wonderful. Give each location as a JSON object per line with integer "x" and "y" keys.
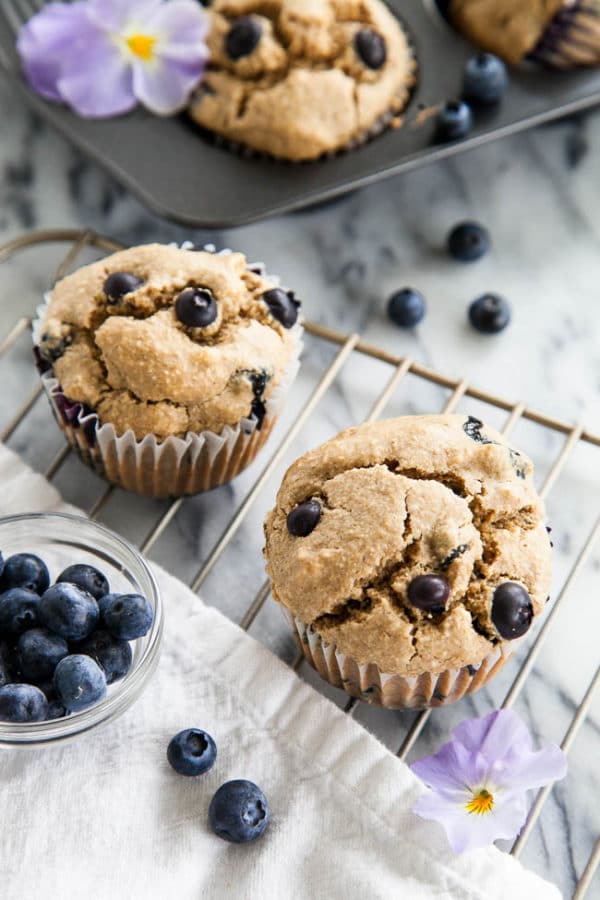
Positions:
{"x": 300, "y": 78}
{"x": 415, "y": 545}
{"x": 559, "y": 33}
{"x": 139, "y": 361}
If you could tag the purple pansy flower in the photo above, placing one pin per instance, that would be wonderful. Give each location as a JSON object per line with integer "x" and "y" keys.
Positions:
{"x": 478, "y": 780}
{"x": 103, "y": 56}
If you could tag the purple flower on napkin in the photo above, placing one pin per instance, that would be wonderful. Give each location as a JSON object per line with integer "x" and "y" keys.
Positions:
{"x": 102, "y": 57}
{"x": 478, "y": 781}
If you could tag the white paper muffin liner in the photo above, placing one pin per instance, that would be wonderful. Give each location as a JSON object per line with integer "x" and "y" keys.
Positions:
{"x": 175, "y": 466}
{"x": 367, "y": 682}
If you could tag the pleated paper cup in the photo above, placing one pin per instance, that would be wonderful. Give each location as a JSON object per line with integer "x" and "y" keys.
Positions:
{"x": 572, "y": 38}
{"x": 366, "y": 681}
{"x": 174, "y": 466}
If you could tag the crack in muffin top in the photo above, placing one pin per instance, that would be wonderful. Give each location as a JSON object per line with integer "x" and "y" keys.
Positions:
{"x": 299, "y": 78}
{"x": 166, "y": 341}
{"x": 399, "y": 499}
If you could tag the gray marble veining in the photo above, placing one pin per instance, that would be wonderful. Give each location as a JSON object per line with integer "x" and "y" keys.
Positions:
{"x": 539, "y": 194}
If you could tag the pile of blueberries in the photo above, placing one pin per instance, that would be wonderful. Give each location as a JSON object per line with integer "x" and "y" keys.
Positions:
{"x": 62, "y": 644}
{"x": 238, "y": 812}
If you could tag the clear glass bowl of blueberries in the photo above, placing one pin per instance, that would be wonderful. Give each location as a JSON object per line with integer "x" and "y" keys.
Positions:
{"x": 80, "y": 627}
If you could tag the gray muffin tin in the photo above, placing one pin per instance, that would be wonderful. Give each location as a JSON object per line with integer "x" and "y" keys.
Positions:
{"x": 183, "y": 175}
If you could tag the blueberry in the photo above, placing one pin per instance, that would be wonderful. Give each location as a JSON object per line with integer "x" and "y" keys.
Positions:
{"x": 283, "y": 306}
{"x": 112, "y": 655}
{"x": 196, "y": 307}
{"x": 22, "y": 703}
{"x": 486, "y": 79}
{"x": 454, "y": 121}
{"x": 56, "y": 709}
{"x": 243, "y": 37}
{"x": 239, "y": 812}
{"x": 468, "y": 241}
{"x": 192, "y": 752}
{"x": 87, "y": 578}
{"x": 25, "y": 570}
{"x": 6, "y": 664}
{"x": 19, "y": 610}
{"x": 39, "y": 653}
{"x": 429, "y": 593}
{"x": 304, "y": 518}
{"x": 119, "y": 284}
{"x": 127, "y": 616}
{"x": 406, "y": 308}
{"x": 371, "y": 48}
{"x": 1, "y": 563}
{"x": 489, "y": 313}
{"x": 68, "y": 611}
{"x": 512, "y": 610}
{"x": 79, "y": 682}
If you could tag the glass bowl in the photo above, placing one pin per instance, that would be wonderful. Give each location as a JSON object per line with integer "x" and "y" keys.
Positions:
{"x": 63, "y": 540}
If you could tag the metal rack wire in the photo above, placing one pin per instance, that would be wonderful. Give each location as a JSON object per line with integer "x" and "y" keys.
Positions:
{"x": 347, "y": 345}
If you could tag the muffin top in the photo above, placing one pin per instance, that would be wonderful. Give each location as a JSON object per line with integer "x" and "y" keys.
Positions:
{"x": 509, "y": 28}
{"x": 299, "y": 78}
{"x": 166, "y": 341}
{"x": 361, "y": 519}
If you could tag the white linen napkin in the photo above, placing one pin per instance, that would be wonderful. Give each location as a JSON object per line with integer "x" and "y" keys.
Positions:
{"x": 104, "y": 817}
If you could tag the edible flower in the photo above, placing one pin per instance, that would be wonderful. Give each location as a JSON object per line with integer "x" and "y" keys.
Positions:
{"x": 102, "y": 57}
{"x": 478, "y": 781}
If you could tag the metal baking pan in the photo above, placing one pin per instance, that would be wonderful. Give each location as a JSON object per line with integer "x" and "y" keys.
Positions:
{"x": 182, "y": 175}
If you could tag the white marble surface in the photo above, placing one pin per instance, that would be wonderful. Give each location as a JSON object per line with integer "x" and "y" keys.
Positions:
{"x": 539, "y": 194}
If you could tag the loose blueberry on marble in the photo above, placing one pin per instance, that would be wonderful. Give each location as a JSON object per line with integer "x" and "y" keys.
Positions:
{"x": 196, "y": 307}
{"x": 88, "y": 578}
{"x": 79, "y": 682}
{"x": 406, "y": 308}
{"x": 112, "y": 655}
{"x": 39, "y": 652}
{"x": 25, "y": 570}
{"x": 489, "y": 314}
{"x": 486, "y": 79}
{"x": 304, "y": 518}
{"x": 127, "y": 616}
{"x": 243, "y": 37}
{"x": 119, "y": 284}
{"x": 22, "y": 703}
{"x": 192, "y": 752}
{"x": 468, "y": 241}
{"x": 512, "y": 610}
{"x": 429, "y": 593}
{"x": 370, "y": 48}
{"x": 239, "y": 812}
{"x": 68, "y": 611}
{"x": 283, "y": 306}
{"x": 19, "y": 610}
{"x": 454, "y": 121}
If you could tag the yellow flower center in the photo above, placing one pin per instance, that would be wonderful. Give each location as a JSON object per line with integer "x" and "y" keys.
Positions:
{"x": 482, "y": 802}
{"x": 141, "y": 45}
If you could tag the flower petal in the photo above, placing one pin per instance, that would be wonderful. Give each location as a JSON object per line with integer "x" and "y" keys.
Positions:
{"x": 47, "y": 39}
{"x": 468, "y": 831}
{"x": 115, "y": 15}
{"x": 534, "y": 770}
{"x": 449, "y": 769}
{"x": 99, "y": 85}
{"x": 162, "y": 86}
{"x": 495, "y": 735}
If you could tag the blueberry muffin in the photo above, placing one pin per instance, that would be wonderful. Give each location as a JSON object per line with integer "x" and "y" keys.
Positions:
{"x": 558, "y": 33}
{"x": 409, "y": 555}
{"x": 300, "y": 78}
{"x": 164, "y": 365}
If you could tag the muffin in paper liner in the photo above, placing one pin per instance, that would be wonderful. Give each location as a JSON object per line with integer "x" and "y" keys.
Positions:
{"x": 572, "y": 38}
{"x": 393, "y": 691}
{"x": 175, "y": 466}
{"x": 233, "y": 123}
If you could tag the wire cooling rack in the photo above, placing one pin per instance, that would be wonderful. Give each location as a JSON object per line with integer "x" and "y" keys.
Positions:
{"x": 573, "y": 436}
